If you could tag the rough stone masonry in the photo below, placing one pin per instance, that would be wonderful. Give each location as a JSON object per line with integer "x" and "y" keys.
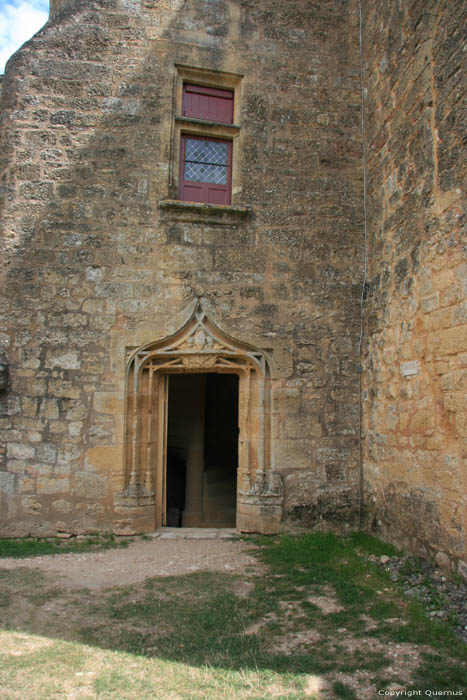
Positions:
{"x": 339, "y": 426}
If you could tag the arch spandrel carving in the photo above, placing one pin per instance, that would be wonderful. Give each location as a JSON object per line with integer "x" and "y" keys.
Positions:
{"x": 200, "y": 336}
{"x": 198, "y": 346}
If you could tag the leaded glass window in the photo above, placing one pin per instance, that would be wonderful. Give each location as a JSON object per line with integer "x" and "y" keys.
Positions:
{"x": 206, "y": 161}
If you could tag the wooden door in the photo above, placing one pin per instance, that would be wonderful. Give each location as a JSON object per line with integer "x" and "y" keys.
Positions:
{"x": 162, "y": 399}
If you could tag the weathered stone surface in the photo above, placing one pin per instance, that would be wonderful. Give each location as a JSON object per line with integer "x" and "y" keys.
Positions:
{"x": 100, "y": 259}
{"x": 31, "y": 504}
{"x": 89, "y": 486}
{"x": 413, "y": 372}
{"x": 97, "y": 259}
{"x": 20, "y": 451}
{"x": 62, "y": 506}
{"x": 7, "y": 483}
{"x": 49, "y": 485}
{"x": 443, "y": 561}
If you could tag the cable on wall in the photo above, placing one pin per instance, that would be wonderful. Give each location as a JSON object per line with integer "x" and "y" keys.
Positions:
{"x": 365, "y": 263}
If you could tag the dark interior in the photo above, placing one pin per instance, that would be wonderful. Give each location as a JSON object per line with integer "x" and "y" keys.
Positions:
{"x": 203, "y": 406}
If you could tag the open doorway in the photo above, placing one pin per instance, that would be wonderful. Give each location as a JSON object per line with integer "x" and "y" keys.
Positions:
{"x": 212, "y": 376}
{"x": 202, "y": 450}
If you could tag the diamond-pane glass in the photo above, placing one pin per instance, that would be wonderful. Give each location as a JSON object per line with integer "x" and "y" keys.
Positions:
{"x": 200, "y": 172}
{"x": 212, "y": 152}
{"x": 206, "y": 161}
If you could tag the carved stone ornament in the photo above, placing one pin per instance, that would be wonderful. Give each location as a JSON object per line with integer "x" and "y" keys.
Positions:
{"x": 199, "y": 361}
{"x": 200, "y": 346}
{"x": 198, "y": 336}
{"x": 200, "y": 340}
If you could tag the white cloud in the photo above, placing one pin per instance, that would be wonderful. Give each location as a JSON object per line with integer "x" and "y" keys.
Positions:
{"x": 19, "y": 20}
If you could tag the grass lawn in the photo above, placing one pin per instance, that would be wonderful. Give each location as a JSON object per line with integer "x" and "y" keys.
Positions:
{"x": 30, "y": 547}
{"x": 314, "y": 619}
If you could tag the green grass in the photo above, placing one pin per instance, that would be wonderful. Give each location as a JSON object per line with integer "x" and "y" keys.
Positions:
{"x": 343, "y": 691}
{"x": 28, "y": 547}
{"x": 368, "y": 544}
{"x": 192, "y": 637}
{"x": 205, "y": 623}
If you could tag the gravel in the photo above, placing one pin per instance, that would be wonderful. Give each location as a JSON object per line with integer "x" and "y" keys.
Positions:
{"x": 444, "y": 599}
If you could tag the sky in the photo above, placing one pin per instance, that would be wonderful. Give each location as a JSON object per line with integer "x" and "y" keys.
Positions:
{"x": 19, "y": 20}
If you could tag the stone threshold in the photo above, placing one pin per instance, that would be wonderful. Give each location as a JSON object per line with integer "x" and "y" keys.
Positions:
{"x": 194, "y": 533}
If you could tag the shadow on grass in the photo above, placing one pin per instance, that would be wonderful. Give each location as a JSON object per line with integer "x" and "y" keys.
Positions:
{"x": 205, "y": 619}
{"x": 29, "y": 547}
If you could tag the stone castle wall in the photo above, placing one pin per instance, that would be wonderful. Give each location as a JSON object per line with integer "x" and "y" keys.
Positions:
{"x": 414, "y": 381}
{"x": 94, "y": 267}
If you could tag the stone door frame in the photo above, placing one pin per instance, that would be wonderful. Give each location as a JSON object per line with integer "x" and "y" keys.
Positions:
{"x": 199, "y": 346}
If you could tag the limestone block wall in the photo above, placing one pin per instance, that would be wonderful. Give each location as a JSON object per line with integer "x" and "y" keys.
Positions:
{"x": 94, "y": 268}
{"x": 415, "y": 357}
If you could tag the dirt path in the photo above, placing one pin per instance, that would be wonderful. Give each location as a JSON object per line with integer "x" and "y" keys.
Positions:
{"x": 142, "y": 559}
{"x": 222, "y": 630}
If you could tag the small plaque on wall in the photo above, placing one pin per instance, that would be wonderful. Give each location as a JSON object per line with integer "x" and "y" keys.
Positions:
{"x": 410, "y": 368}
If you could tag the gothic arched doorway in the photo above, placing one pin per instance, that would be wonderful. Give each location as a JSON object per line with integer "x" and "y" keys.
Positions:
{"x": 187, "y": 368}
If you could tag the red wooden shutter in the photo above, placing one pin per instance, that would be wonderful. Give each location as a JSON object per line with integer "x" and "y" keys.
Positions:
{"x": 207, "y": 103}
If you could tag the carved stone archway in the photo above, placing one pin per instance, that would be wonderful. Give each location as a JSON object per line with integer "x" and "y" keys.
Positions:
{"x": 200, "y": 346}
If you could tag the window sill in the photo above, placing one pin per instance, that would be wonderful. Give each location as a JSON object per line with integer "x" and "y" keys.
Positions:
{"x": 203, "y": 126}
{"x": 178, "y": 210}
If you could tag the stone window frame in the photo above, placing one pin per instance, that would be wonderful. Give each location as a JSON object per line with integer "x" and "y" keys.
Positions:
{"x": 175, "y": 208}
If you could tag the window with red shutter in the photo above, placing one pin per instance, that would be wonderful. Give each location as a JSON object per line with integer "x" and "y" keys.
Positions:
{"x": 207, "y": 103}
{"x": 205, "y": 162}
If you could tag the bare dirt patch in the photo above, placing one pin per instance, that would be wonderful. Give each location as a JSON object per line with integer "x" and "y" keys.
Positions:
{"x": 327, "y": 602}
{"x": 403, "y": 658}
{"x": 243, "y": 589}
{"x": 208, "y": 611}
{"x": 257, "y": 627}
{"x": 293, "y": 642}
{"x": 402, "y": 661}
{"x": 141, "y": 560}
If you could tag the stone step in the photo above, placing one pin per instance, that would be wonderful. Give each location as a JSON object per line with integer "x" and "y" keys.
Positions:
{"x": 194, "y": 533}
